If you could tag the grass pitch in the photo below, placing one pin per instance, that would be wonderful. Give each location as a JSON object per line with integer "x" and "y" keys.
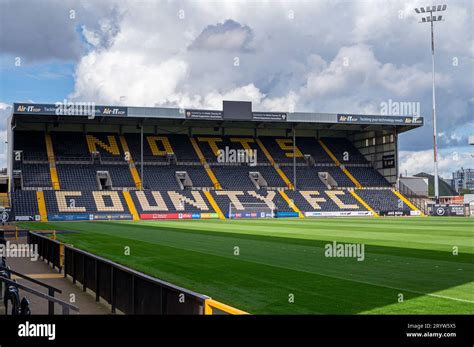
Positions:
{"x": 409, "y": 265}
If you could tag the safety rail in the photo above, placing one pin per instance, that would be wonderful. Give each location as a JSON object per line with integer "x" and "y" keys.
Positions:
{"x": 419, "y": 200}
{"x": 212, "y": 307}
{"x": 51, "y": 289}
{"x": 125, "y": 289}
{"x": 49, "y": 249}
{"x": 66, "y": 307}
{"x": 7, "y": 231}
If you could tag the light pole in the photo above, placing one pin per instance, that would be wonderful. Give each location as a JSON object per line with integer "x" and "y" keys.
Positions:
{"x": 431, "y": 19}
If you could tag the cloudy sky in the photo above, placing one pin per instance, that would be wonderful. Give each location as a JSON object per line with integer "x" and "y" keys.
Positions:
{"x": 322, "y": 56}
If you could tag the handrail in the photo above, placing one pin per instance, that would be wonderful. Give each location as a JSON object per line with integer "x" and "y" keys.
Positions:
{"x": 139, "y": 274}
{"x": 92, "y": 270}
{"x": 31, "y": 279}
{"x": 66, "y": 306}
{"x": 210, "y": 304}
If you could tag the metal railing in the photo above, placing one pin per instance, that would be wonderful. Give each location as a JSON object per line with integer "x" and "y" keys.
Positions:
{"x": 48, "y": 249}
{"x": 125, "y": 289}
{"x": 51, "y": 289}
{"x": 66, "y": 307}
{"x": 418, "y": 200}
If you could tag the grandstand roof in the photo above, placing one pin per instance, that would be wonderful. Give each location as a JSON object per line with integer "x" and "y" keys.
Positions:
{"x": 235, "y": 114}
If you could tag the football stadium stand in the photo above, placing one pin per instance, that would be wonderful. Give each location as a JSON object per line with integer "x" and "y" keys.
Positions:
{"x": 119, "y": 171}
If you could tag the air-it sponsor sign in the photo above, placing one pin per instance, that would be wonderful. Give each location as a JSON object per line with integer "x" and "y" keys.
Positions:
{"x": 71, "y": 109}
{"x": 35, "y": 109}
{"x": 371, "y": 119}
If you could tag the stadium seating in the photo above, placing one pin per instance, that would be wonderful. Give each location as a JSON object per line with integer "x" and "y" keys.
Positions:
{"x": 306, "y": 176}
{"x": 248, "y": 200}
{"x": 383, "y": 201}
{"x": 32, "y": 143}
{"x": 163, "y": 177}
{"x": 84, "y": 176}
{"x": 341, "y": 178}
{"x": 325, "y": 201}
{"x": 70, "y": 146}
{"x": 86, "y": 205}
{"x": 170, "y": 201}
{"x": 368, "y": 177}
{"x": 83, "y": 193}
{"x": 234, "y": 176}
{"x": 309, "y": 145}
{"x": 34, "y": 175}
{"x": 25, "y": 203}
{"x": 344, "y": 150}
{"x": 210, "y": 145}
{"x": 281, "y": 149}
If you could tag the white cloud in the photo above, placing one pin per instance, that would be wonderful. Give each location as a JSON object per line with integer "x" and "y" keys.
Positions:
{"x": 356, "y": 69}
{"x": 290, "y": 53}
{"x": 4, "y": 106}
{"x": 91, "y": 37}
{"x": 448, "y": 161}
{"x": 229, "y": 35}
{"x": 106, "y": 75}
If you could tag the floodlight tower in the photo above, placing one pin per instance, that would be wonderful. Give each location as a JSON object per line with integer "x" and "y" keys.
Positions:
{"x": 431, "y": 19}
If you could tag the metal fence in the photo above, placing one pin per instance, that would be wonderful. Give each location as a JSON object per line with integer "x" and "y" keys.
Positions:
{"x": 125, "y": 289}
{"x": 128, "y": 290}
{"x": 49, "y": 249}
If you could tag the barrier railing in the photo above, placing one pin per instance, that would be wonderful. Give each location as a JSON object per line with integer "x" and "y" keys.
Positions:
{"x": 128, "y": 290}
{"x": 51, "y": 289}
{"x": 125, "y": 289}
{"x": 10, "y": 232}
{"x": 66, "y": 307}
{"x": 49, "y": 249}
{"x": 212, "y": 307}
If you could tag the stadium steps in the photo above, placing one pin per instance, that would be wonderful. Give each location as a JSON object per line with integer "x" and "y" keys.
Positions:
{"x": 52, "y": 162}
{"x": 338, "y": 163}
{"x": 209, "y": 171}
{"x": 291, "y": 204}
{"x": 363, "y": 203}
{"x": 42, "y": 206}
{"x": 272, "y": 161}
{"x": 131, "y": 163}
{"x": 131, "y": 205}
{"x": 408, "y": 202}
{"x": 214, "y": 204}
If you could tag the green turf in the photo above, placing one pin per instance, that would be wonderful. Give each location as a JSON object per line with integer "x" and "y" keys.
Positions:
{"x": 278, "y": 257}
